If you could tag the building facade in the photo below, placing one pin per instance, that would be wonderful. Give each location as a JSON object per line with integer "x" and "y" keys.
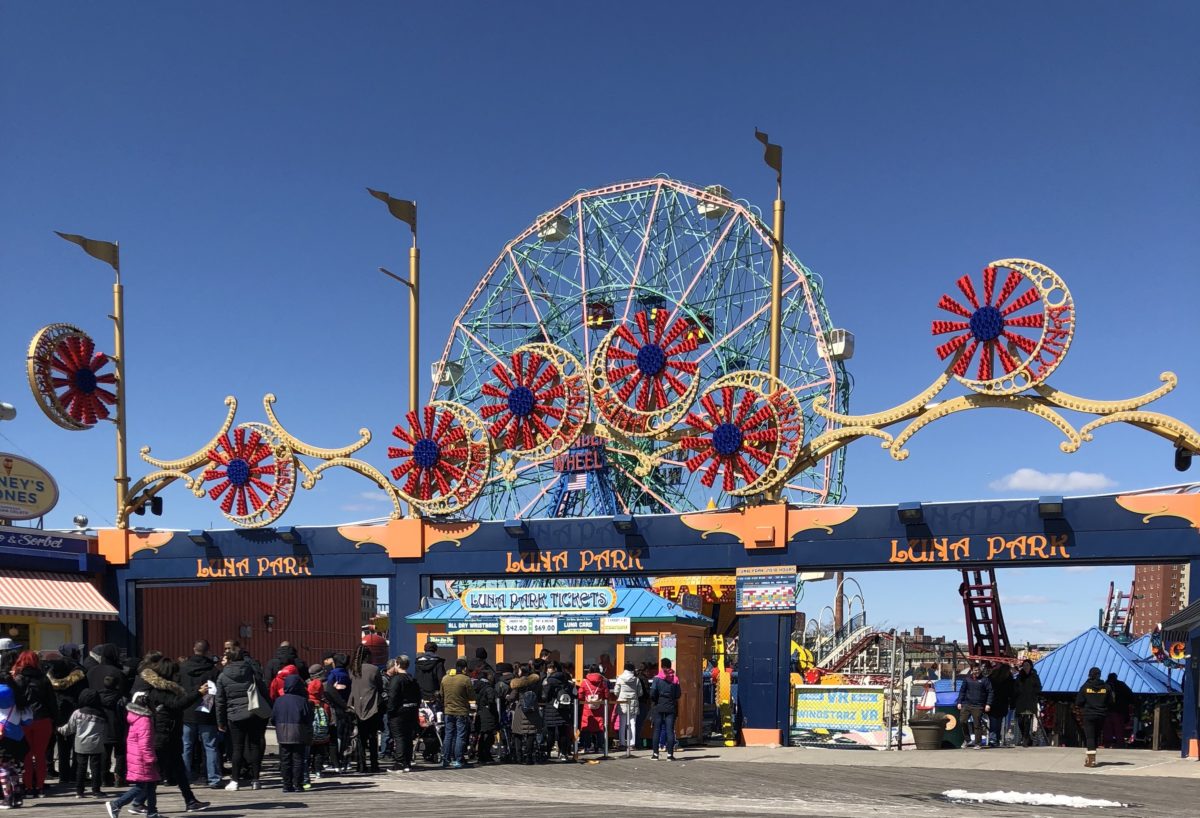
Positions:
{"x": 1161, "y": 591}
{"x": 369, "y": 602}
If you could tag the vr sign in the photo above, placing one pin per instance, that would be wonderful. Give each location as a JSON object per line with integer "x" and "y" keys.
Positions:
{"x": 532, "y": 600}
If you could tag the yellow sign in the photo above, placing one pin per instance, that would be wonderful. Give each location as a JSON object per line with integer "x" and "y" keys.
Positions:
{"x": 27, "y": 491}
{"x": 838, "y": 708}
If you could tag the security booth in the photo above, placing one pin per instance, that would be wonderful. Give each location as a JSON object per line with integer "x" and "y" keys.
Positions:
{"x": 582, "y": 625}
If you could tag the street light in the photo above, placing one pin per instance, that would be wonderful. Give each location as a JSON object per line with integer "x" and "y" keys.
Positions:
{"x": 406, "y": 211}
{"x": 7, "y": 411}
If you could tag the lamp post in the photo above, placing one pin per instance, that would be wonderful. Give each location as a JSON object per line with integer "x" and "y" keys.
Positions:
{"x": 110, "y": 253}
{"x": 7, "y": 411}
{"x": 773, "y": 156}
{"x": 406, "y": 211}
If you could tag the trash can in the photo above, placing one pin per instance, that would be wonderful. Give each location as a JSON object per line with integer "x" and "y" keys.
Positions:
{"x": 928, "y": 731}
{"x": 953, "y": 735}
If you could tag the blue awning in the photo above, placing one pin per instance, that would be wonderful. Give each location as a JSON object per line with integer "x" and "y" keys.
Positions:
{"x": 1066, "y": 669}
{"x": 638, "y": 604}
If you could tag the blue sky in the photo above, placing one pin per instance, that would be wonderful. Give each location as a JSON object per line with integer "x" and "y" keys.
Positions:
{"x": 227, "y": 147}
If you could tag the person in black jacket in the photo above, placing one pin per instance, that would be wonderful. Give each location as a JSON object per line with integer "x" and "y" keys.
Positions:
{"x": 1027, "y": 692}
{"x": 1096, "y": 697}
{"x": 246, "y": 728}
{"x": 105, "y": 676}
{"x": 664, "y": 703}
{"x": 284, "y": 656}
{"x": 199, "y": 720}
{"x": 486, "y": 716}
{"x": 403, "y": 708}
{"x": 167, "y": 701}
{"x": 430, "y": 670}
{"x": 293, "y": 715}
{"x": 31, "y": 686}
{"x": 337, "y": 693}
{"x": 1117, "y": 720}
{"x": 1002, "y": 695}
{"x": 68, "y": 680}
{"x": 558, "y": 713}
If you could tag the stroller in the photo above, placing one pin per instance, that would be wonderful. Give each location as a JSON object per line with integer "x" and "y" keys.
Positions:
{"x": 431, "y": 723}
{"x": 12, "y": 754}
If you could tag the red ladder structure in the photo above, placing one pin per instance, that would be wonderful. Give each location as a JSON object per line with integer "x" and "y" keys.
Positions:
{"x": 1118, "y": 613}
{"x": 987, "y": 638}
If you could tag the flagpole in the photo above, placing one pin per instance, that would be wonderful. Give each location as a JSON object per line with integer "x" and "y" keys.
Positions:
{"x": 118, "y": 317}
{"x": 414, "y": 323}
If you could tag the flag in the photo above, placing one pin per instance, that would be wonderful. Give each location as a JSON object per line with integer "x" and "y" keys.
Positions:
{"x": 577, "y": 481}
{"x": 402, "y": 209}
{"x": 772, "y": 154}
{"x": 106, "y": 251}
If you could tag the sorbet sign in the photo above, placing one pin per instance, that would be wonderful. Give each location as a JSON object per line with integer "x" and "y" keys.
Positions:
{"x": 530, "y": 600}
{"x": 27, "y": 491}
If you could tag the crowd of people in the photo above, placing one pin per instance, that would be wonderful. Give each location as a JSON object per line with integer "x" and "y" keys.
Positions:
{"x": 991, "y": 694}
{"x": 103, "y": 720}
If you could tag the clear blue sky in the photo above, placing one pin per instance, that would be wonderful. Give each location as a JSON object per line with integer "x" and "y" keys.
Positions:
{"x": 227, "y": 147}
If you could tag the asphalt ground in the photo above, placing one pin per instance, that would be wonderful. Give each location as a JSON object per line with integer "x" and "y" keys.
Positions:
{"x": 708, "y": 782}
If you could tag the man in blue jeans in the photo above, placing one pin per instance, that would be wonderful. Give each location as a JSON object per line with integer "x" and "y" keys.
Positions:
{"x": 457, "y": 695}
{"x": 199, "y": 722}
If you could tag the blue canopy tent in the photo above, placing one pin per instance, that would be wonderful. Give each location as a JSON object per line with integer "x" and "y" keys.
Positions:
{"x": 1066, "y": 669}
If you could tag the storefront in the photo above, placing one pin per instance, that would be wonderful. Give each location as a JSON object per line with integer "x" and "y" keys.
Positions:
{"x": 48, "y": 594}
{"x": 582, "y": 625}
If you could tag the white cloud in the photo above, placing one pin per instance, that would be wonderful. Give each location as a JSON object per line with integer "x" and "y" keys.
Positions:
{"x": 1034, "y": 480}
{"x": 1027, "y": 599}
{"x": 1080, "y": 569}
{"x": 376, "y": 496}
{"x": 356, "y": 507}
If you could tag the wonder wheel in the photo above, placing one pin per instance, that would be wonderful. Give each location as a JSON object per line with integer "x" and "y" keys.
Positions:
{"x": 658, "y": 290}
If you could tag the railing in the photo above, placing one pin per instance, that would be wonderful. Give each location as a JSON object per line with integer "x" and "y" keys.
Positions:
{"x": 827, "y": 644}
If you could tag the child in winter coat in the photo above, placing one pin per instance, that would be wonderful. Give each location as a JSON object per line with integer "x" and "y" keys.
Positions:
{"x": 89, "y": 726}
{"x": 140, "y": 759}
{"x": 276, "y": 688}
{"x": 323, "y": 748}
{"x": 293, "y": 717}
{"x": 13, "y": 748}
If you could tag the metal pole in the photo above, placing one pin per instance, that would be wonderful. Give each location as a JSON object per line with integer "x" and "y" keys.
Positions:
{"x": 575, "y": 725}
{"x": 892, "y": 684}
{"x": 122, "y": 476}
{"x": 777, "y": 280}
{"x": 414, "y": 324}
{"x": 604, "y": 729}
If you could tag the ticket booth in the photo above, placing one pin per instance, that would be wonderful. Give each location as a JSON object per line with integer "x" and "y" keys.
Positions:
{"x": 584, "y": 626}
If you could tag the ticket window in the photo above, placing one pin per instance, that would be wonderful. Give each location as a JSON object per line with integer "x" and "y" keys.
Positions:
{"x": 595, "y": 647}
{"x": 639, "y": 653}
{"x": 519, "y": 649}
{"x": 565, "y": 647}
{"x": 470, "y": 643}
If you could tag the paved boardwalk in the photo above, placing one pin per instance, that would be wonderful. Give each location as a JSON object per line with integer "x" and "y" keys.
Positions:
{"x": 712, "y": 782}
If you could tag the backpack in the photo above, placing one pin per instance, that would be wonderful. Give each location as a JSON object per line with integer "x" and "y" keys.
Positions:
{"x": 592, "y": 698}
{"x": 529, "y": 701}
{"x": 320, "y": 725}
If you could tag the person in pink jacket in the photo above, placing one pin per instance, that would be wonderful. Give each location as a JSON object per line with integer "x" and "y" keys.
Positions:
{"x": 142, "y": 764}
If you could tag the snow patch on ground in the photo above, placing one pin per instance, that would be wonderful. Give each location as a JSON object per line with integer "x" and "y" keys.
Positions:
{"x": 1037, "y": 799}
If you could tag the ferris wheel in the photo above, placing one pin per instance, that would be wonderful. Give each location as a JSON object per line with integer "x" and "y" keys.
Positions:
{"x": 602, "y": 351}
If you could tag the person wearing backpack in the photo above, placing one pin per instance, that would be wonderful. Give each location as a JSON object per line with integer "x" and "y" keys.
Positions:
{"x": 628, "y": 690}
{"x": 558, "y": 698}
{"x": 593, "y": 693}
{"x": 323, "y": 746}
{"x": 527, "y": 722}
{"x": 664, "y": 698}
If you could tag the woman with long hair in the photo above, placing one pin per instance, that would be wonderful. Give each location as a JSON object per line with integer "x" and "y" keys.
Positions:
{"x": 245, "y": 727}
{"x": 39, "y": 698}
{"x": 366, "y": 703}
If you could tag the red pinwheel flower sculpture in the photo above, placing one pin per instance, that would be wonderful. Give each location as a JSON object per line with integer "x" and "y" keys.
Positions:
{"x": 243, "y": 470}
{"x": 643, "y": 370}
{"x": 737, "y": 439}
{"x": 438, "y": 456}
{"x": 990, "y": 325}
{"x": 532, "y": 401}
{"x": 77, "y": 379}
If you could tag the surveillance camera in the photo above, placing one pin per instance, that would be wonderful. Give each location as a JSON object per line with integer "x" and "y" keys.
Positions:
{"x": 1183, "y": 459}
{"x": 80, "y": 521}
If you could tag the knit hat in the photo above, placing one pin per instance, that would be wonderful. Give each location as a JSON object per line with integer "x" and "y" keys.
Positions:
{"x": 316, "y": 671}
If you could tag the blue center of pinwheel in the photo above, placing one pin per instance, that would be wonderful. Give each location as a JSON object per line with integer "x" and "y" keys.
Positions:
{"x": 651, "y": 359}
{"x": 520, "y": 401}
{"x": 986, "y": 324}
{"x": 85, "y": 380}
{"x": 238, "y": 472}
{"x": 426, "y": 452}
{"x": 727, "y": 439}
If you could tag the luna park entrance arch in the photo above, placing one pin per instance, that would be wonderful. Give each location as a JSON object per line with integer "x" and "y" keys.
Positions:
{"x": 1154, "y": 527}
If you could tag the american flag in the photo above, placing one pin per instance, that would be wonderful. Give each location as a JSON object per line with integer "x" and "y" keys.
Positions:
{"x": 578, "y": 482}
